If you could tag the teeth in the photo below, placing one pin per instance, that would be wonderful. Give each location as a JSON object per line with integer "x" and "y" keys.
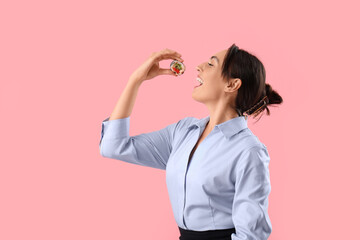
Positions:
{"x": 199, "y": 80}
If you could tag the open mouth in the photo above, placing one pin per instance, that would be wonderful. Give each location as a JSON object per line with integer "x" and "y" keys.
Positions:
{"x": 200, "y": 81}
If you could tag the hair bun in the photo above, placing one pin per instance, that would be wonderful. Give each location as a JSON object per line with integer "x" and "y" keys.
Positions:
{"x": 272, "y": 95}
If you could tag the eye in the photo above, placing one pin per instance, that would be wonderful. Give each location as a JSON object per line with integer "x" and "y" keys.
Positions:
{"x": 210, "y": 64}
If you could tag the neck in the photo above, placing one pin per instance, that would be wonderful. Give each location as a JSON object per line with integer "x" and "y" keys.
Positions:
{"x": 217, "y": 117}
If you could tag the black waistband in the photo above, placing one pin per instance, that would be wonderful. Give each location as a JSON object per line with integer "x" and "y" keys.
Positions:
{"x": 219, "y": 234}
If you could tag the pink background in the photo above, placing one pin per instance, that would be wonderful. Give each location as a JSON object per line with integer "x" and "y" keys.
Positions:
{"x": 64, "y": 64}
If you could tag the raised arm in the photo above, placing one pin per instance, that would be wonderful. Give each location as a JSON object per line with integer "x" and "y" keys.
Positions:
{"x": 148, "y": 70}
{"x": 148, "y": 149}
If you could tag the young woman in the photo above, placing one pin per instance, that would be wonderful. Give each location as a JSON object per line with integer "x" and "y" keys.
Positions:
{"x": 216, "y": 169}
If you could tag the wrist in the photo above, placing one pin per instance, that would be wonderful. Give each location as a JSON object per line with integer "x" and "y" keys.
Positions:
{"x": 135, "y": 80}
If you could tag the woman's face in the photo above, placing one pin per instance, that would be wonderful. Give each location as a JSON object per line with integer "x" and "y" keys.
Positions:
{"x": 214, "y": 87}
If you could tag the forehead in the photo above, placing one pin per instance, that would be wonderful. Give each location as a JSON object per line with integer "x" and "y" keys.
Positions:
{"x": 221, "y": 55}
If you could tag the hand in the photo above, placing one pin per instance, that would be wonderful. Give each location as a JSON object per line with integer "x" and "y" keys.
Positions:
{"x": 150, "y": 68}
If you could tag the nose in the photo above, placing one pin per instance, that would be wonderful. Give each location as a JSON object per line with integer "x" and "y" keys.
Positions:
{"x": 198, "y": 69}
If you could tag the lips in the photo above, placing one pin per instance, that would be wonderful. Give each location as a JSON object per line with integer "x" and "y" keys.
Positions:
{"x": 199, "y": 79}
{"x": 201, "y": 82}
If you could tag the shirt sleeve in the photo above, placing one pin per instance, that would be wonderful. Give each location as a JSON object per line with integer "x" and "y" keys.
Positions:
{"x": 252, "y": 187}
{"x": 147, "y": 149}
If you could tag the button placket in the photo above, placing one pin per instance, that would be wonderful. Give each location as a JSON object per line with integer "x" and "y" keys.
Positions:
{"x": 187, "y": 166}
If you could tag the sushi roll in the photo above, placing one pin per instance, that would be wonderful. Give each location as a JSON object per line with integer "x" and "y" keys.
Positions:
{"x": 177, "y": 67}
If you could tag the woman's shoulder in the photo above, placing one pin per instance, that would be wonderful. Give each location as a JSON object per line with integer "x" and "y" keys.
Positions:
{"x": 248, "y": 140}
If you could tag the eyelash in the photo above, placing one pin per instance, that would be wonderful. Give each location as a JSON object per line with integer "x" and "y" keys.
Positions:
{"x": 210, "y": 64}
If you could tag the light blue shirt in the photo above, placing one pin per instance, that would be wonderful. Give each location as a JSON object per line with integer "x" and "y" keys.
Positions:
{"x": 225, "y": 185}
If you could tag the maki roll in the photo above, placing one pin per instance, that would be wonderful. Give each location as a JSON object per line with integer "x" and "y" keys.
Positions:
{"x": 177, "y": 67}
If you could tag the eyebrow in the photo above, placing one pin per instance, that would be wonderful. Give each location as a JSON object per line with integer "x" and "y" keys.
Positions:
{"x": 215, "y": 58}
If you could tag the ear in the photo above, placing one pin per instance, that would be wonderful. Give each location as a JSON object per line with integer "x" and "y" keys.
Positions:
{"x": 233, "y": 85}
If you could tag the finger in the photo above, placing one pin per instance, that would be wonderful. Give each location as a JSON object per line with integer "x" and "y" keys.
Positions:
{"x": 178, "y": 58}
{"x": 163, "y": 71}
{"x": 169, "y": 56}
{"x": 166, "y": 55}
{"x": 172, "y": 56}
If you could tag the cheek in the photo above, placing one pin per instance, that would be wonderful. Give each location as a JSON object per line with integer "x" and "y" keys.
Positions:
{"x": 214, "y": 83}
{"x": 213, "y": 88}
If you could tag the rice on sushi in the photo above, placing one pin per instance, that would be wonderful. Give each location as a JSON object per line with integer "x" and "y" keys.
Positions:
{"x": 177, "y": 67}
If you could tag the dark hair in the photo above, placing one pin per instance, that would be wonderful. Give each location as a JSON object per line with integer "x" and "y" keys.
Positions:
{"x": 239, "y": 63}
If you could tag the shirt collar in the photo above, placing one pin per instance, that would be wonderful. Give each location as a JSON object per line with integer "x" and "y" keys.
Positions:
{"x": 228, "y": 128}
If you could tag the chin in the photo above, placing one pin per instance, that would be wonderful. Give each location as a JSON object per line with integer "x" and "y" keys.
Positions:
{"x": 196, "y": 97}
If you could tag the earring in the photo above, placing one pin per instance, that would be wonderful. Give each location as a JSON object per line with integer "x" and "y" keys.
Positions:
{"x": 246, "y": 116}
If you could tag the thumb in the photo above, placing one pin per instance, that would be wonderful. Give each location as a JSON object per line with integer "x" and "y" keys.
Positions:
{"x": 163, "y": 71}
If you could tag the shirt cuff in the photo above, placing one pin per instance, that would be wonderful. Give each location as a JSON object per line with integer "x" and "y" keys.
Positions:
{"x": 117, "y": 128}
